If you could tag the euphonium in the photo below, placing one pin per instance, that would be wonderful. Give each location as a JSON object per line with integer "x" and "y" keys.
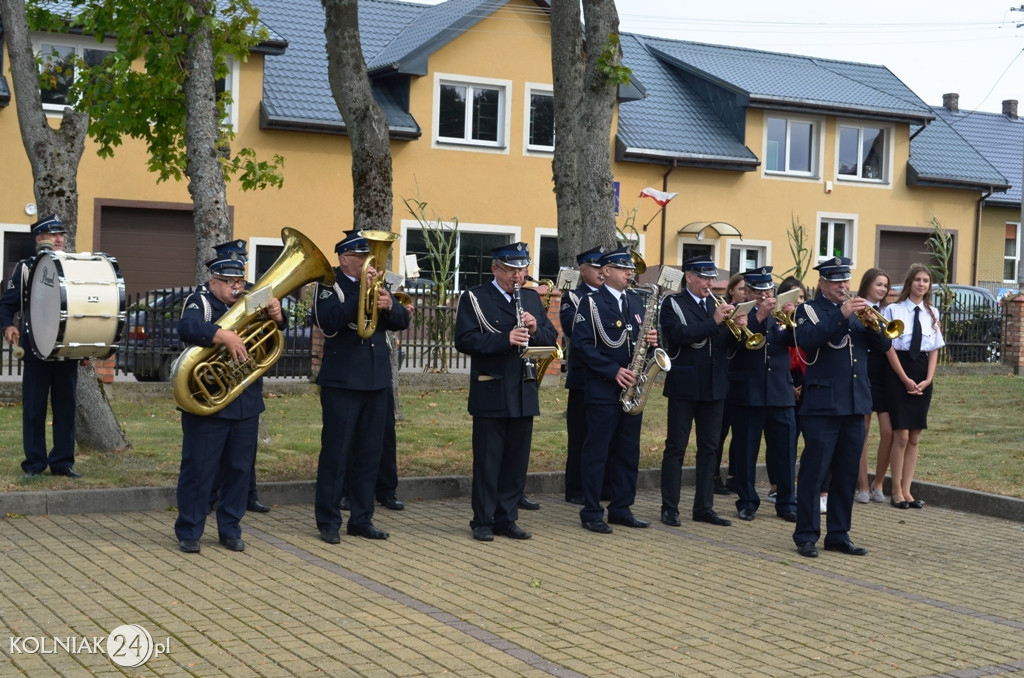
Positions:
{"x": 543, "y": 363}
{"x": 206, "y": 380}
{"x": 871, "y": 318}
{"x": 753, "y": 340}
{"x": 380, "y": 244}
{"x": 644, "y": 372}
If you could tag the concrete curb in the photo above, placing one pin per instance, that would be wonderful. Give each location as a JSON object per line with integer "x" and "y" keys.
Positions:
{"x": 62, "y": 502}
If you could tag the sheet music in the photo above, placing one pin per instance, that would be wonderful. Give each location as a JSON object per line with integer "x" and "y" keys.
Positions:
{"x": 743, "y": 308}
{"x": 257, "y": 299}
{"x": 790, "y": 297}
{"x": 670, "y": 279}
{"x": 568, "y": 278}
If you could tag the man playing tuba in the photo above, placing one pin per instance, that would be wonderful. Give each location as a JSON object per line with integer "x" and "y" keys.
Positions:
{"x": 223, "y": 444}
{"x": 355, "y": 381}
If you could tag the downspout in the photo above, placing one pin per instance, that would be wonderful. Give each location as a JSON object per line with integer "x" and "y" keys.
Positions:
{"x": 977, "y": 236}
{"x": 664, "y": 212}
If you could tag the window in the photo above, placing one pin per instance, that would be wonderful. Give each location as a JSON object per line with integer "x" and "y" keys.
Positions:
{"x": 540, "y": 117}
{"x": 745, "y": 257}
{"x": 230, "y": 84}
{"x": 59, "y": 67}
{"x": 471, "y": 113}
{"x": 791, "y": 146}
{"x": 835, "y": 238}
{"x": 1011, "y": 252}
{"x": 545, "y": 263}
{"x": 863, "y": 153}
{"x": 472, "y": 254}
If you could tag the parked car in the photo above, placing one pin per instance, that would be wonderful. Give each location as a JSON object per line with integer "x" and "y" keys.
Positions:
{"x": 972, "y": 323}
{"x": 151, "y": 344}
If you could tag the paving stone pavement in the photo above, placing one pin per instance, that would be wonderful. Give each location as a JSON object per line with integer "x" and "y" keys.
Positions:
{"x": 940, "y": 594}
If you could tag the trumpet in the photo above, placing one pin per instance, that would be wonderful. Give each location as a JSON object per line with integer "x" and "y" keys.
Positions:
{"x": 752, "y": 340}
{"x": 877, "y": 322}
{"x": 787, "y": 320}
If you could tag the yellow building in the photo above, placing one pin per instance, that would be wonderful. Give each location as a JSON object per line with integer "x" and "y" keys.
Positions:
{"x": 750, "y": 141}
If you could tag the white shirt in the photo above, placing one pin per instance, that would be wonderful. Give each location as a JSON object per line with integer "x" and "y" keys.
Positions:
{"x": 931, "y": 336}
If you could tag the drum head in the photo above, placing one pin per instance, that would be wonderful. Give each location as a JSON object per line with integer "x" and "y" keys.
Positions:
{"x": 44, "y": 319}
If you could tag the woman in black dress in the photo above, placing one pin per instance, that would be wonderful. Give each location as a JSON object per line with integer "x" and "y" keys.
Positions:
{"x": 874, "y": 286}
{"x": 913, "y": 357}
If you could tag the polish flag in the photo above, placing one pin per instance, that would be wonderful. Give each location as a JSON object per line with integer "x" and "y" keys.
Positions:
{"x": 659, "y": 197}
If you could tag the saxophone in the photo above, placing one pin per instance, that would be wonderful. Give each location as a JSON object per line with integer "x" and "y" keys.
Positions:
{"x": 644, "y": 371}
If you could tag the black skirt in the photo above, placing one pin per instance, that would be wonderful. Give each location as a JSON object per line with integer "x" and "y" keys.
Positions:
{"x": 907, "y": 411}
{"x": 878, "y": 368}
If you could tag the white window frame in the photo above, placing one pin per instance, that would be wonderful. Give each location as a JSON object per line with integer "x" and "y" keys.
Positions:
{"x": 1016, "y": 256}
{"x": 765, "y": 247}
{"x": 528, "y": 148}
{"x": 76, "y": 42}
{"x": 232, "y": 84}
{"x": 254, "y": 244}
{"x": 816, "y": 152}
{"x": 885, "y": 180}
{"x": 539, "y": 233}
{"x": 504, "y": 111}
{"x": 851, "y": 239}
{"x": 715, "y": 244}
{"x": 464, "y": 227}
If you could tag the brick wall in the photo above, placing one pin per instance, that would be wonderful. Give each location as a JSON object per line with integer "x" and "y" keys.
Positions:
{"x": 1013, "y": 337}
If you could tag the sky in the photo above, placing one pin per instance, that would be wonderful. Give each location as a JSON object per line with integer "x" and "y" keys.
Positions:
{"x": 970, "y": 47}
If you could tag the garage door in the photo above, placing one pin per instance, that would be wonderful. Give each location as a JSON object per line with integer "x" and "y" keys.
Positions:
{"x": 898, "y": 250}
{"x": 155, "y": 248}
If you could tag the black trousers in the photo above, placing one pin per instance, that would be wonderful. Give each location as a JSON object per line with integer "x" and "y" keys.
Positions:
{"x": 387, "y": 474}
{"x": 778, "y": 424}
{"x": 610, "y": 457}
{"x": 681, "y": 416}
{"x": 57, "y": 381}
{"x": 350, "y": 447}
{"x": 213, "y": 449}
{"x": 831, "y": 444}
{"x": 576, "y": 433}
{"x": 501, "y": 458}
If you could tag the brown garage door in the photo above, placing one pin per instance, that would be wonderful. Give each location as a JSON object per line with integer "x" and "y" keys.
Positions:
{"x": 153, "y": 247}
{"x": 898, "y": 250}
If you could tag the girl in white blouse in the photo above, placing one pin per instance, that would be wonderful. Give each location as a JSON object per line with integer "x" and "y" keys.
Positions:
{"x": 909, "y": 387}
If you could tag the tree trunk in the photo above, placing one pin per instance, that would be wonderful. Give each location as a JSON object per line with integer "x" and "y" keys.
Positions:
{"x": 54, "y": 156}
{"x": 364, "y": 120}
{"x": 584, "y": 104}
{"x": 202, "y": 131}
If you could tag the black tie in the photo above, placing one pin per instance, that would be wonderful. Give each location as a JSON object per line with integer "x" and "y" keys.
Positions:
{"x": 704, "y": 307}
{"x": 622, "y": 305}
{"x": 915, "y": 336}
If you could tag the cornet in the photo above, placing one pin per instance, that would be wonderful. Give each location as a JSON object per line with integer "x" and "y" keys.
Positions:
{"x": 877, "y": 322}
{"x": 752, "y": 340}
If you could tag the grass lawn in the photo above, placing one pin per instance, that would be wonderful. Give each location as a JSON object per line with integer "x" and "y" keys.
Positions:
{"x": 975, "y": 438}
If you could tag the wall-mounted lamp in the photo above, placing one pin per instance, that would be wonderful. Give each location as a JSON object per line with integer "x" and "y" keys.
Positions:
{"x": 700, "y": 236}
{"x": 30, "y": 209}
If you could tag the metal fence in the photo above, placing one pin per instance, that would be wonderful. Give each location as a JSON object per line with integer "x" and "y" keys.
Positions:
{"x": 429, "y": 343}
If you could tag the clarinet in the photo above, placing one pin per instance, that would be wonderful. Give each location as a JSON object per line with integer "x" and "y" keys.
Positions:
{"x": 529, "y": 364}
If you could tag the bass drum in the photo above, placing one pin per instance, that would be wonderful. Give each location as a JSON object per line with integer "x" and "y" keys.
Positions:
{"x": 75, "y": 306}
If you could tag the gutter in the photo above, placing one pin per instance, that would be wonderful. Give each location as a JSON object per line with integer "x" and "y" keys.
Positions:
{"x": 664, "y": 213}
{"x": 977, "y": 236}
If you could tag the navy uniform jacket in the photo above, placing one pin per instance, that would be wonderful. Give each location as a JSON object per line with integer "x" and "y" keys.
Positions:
{"x": 598, "y": 322}
{"x": 699, "y": 349}
{"x": 11, "y": 301}
{"x": 349, "y": 361}
{"x": 761, "y": 378}
{"x": 567, "y": 316}
{"x": 836, "y": 382}
{"x": 483, "y": 323}
{"x": 197, "y": 327}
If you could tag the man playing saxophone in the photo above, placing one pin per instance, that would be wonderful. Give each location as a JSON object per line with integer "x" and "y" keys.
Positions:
{"x": 604, "y": 337}
{"x": 494, "y": 325}
{"x": 354, "y": 380}
{"x": 220, "y": 447}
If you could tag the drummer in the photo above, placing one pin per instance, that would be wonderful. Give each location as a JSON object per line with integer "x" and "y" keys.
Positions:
{"x": 56, "y": 380}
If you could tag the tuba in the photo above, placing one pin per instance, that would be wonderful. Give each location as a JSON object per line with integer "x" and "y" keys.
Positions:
{"x": 206, "y": 380}
{"x": 380, "y": 245}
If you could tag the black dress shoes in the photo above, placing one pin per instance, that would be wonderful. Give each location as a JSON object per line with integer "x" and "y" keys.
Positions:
{"x": 392, "y": 502}
{"x": 848, "y": 548}
{"x": 483, "y": 533}
{"x": 256, "y": 507}
{"x": 900, "y": 504}
{"x": 720, "y": 487}
{"x": 368, "y": 531}
{"x": 232, "y": 543}
{"x": 330, "y": 536}
{"x": 512, "y": 531}
{"x": 189, "y": 545}
{"x": 788, "y": 516}
{"x": 66, "y": 472}
{"x": 598, "y": 526}
{"x": 343, "y": 505}
{"x": 628, "y": 521}
{"x": 528, "y": 504}
{"x": 917, "y": 503}
{"x": 746, "y": 514}
{"x": 577, "y": 499}
{"x": 713, "y": 518}
{"x": 670, "y": 518}
{"x": 807, "y": 550}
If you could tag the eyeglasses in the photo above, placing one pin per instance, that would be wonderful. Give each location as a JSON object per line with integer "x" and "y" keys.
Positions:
{"x": 231, "y": 282}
